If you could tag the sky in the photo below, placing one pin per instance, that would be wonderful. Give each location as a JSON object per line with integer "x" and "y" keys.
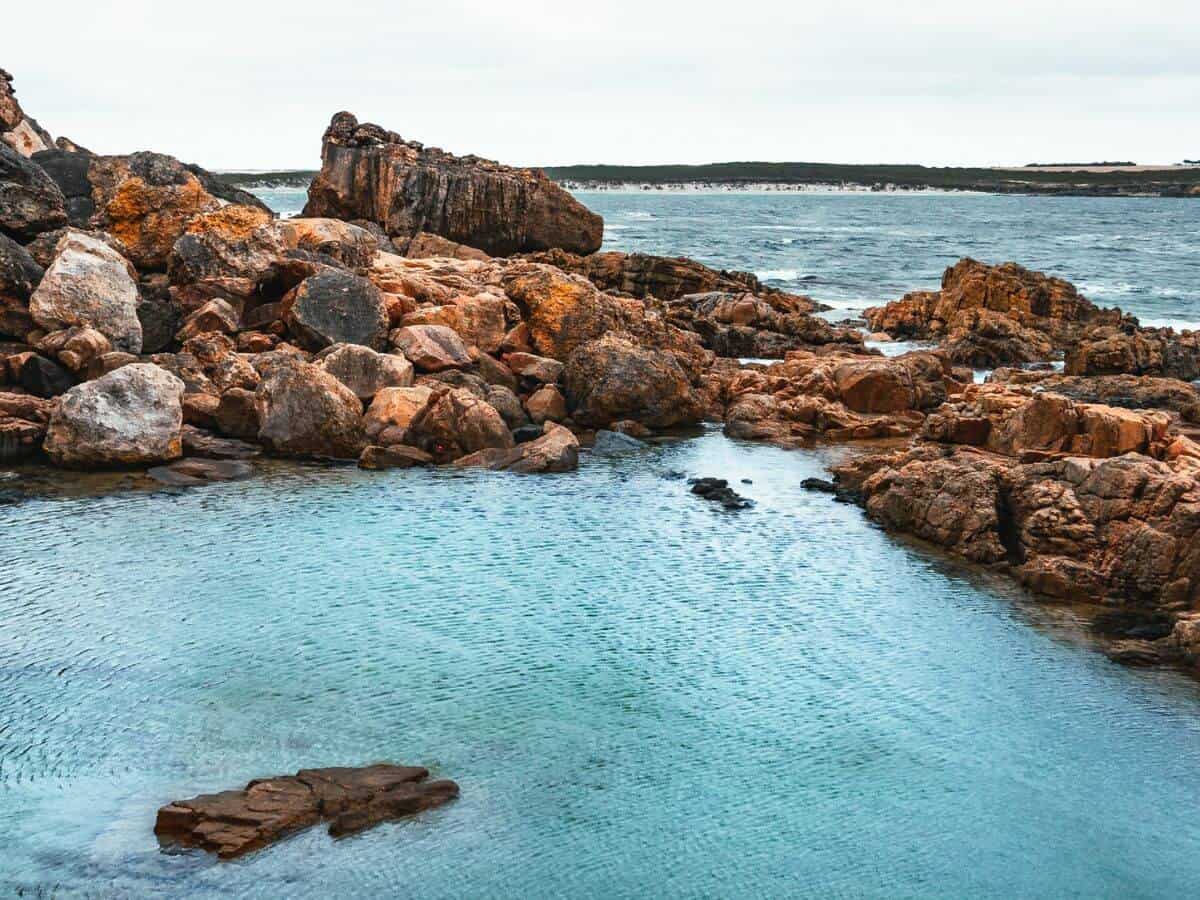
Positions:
{"x": 237, "y": 85}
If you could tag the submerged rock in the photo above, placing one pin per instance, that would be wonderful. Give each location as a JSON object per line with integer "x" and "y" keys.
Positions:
{"x": 131, "y": 416}
{"x": 233, "y": 823}
{"x": 196, "y": 472}
{"x": 613, "y": 443}
{"x": 373, "y": 174}
{"x": 718, "y": 491}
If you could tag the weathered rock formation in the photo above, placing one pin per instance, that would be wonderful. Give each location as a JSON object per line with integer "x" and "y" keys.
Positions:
{"x": 233, "y": 823}
{"x": 20, "y": 132}
{"x": 373, "y": 174}
{"x": 1136, "y": 351}
{"x": 1033, "y": 301}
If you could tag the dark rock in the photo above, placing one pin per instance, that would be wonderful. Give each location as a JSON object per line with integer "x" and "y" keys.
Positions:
{"x": 19, "y": 273}
{"x": 198, "y": 442}
{"x": 160, "y": 318}
{"x": 373, "y": 174}
{"x": 820, "y": 485}
{"x": 718, "y": 491}
{"x": 30, "y": 201}
{"x": 233, "y": 823}
{"x": 44, "y": 378}
{"x": 527, "y": 433}
{"x": 335, "y": 307}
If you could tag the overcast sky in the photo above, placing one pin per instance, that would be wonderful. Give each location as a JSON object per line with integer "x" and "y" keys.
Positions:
{"x": 253, "y": 84}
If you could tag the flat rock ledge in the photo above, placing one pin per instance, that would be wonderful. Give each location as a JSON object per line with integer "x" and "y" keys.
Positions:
{"x": 233, "y": 823}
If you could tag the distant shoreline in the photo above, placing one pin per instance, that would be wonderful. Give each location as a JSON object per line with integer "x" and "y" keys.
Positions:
{"x": 1089, "y": 181}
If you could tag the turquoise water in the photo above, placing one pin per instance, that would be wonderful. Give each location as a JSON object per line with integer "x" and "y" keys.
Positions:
{"x": 640, "y": 693}
{"x": 853, "y": 250}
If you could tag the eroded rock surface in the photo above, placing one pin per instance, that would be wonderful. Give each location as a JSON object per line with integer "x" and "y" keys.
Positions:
{"x": 370, "y": 173}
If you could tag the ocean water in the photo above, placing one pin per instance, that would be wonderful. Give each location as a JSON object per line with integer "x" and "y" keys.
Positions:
{"x": 852, "y": 250}
{"x": 640, "y": 694}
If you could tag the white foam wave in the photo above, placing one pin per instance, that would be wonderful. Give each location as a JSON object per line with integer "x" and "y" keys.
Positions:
{"x": 778, "y": 274}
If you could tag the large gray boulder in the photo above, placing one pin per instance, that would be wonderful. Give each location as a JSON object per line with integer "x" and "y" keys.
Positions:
{"x": 364, "y": 371}
{"x": 130, "y": 417}
{"x": 304, "y": 411}
{"x": 89, "y": 283}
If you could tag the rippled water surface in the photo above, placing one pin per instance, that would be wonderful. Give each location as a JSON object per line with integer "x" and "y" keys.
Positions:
{"x": 640, "y": 693}
{"x": 853, "y": 250}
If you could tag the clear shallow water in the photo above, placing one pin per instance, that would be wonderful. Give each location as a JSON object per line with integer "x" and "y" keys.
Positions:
{"x": 853, "y": 250}
{"x": 639, "y": 693}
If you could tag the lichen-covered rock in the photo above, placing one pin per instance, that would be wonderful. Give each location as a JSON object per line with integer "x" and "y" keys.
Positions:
{"x": 431, "y": 348}
{"x": 30, "y": 201}
{"x": 455, "y": 422}
{"x": 373, "y": 174}
{"x": 131, "y": 416}
{"x": 364, "y": 371}
{"x": 304, "y": 411}
{"x": 337, "y": 307}
{"x": 613, "y": 378}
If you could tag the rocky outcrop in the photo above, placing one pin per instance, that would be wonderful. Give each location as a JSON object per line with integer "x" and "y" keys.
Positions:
{"x": 129, "y": 417}
{"x": 838, "y": 396}
{"x": 1033, "y": 301}
{"x": 233, "y": 823}
{"x": 304, "y": 411}
{"x": 613, "y": 378}
{"x": 984, "y": 339}
{"x": 1160, "y": 352}
{"x": 370, "y": 173}
{"x": 664, "y": 277}
{"x": 1127, "y": 391}
{"x": 30, "y": 201}
{"x": 89, "y": 284}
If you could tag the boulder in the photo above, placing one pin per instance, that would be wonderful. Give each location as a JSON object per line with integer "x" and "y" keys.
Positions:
{"x": 235, "y": 251}
{"x": 214, "y": 316}
{"x": 508, "y": 404}
{"x": 546, "y": 404}
{"x": 304, "y": 411}
{"x": 40, "y": 376}
{"x": 129, "y": 417}
{"x": 364, "y": 371}
{"x": 555, "y": 450}
{"x": 541, "y": 369}
{"x": 89, "y": 284}
{"x": 613, "y": 378}
{"x": 431, "y": 348}
{"x": 19, "y": 273}
{"x": 1157, "y": 352}
{"x": 455, "y": 423}
{"x": 17, "y": 130}
{"x": 233, "y": 823}
{"x": 238, "y": 415}
{"x": 336, "y": 307}
{"x": 30, "y": 201}
{"x": 561, "y": 311}
{"x": 373, "y": 174}
{"x": 478, "y": 319}
{"x": 394, "y": 408}
{"x": 613, "y": 443}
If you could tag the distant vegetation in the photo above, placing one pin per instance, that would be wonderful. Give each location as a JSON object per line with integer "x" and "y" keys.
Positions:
{"x": 1179, "y": 182}
{"x": 1078, "y": 165}
{"x": 1182, "y": 182}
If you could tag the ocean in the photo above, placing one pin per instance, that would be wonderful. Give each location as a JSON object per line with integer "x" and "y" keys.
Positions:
{"x": 639, "y": 693}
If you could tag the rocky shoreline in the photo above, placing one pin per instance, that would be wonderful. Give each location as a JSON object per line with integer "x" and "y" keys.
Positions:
{"x": 428, "y": 309}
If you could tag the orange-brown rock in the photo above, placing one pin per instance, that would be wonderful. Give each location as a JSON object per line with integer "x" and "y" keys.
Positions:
{"x": 1137, "y": 351}
{"x": 370, "y": 173}
{"x": 431, "y": 348}
{"x": 394, "y": 408}
{"x": 1034, "y": 301}
{"x": 304, "y": 411}
{"x": 455, "y": 422}
{"x": 233, "y": 823}
{"x": 556, "y": 450}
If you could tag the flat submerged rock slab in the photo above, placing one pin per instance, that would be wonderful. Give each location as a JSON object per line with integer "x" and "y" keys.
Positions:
{"x": 233, "y": 823}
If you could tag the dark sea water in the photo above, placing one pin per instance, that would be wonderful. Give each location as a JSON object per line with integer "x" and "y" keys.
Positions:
{"x": 639, "y": 693}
